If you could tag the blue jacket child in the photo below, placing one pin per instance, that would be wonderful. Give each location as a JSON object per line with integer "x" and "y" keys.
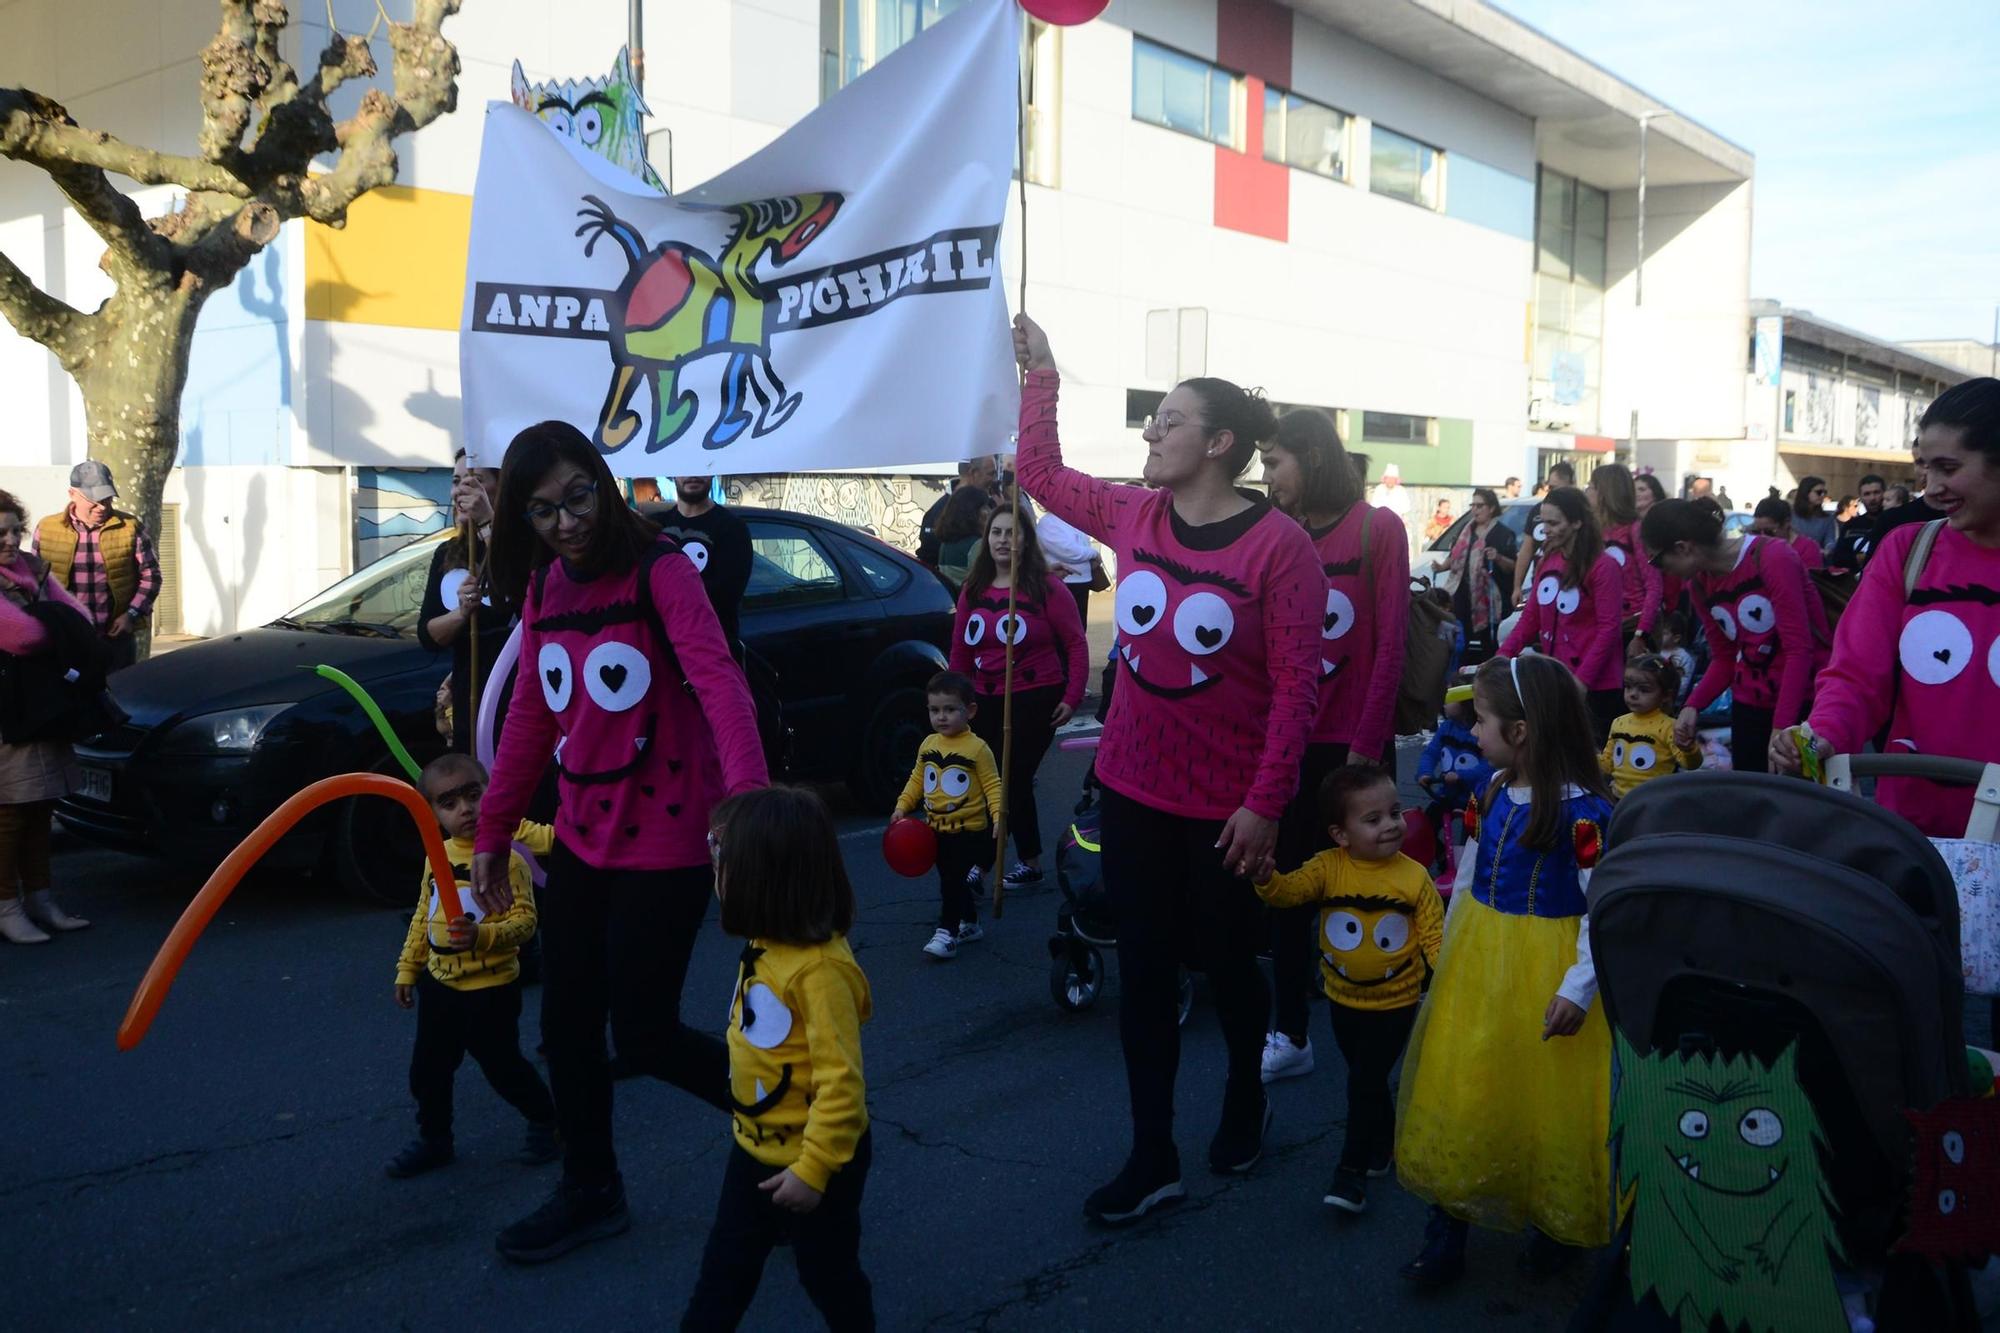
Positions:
{"x": 1453, "y": 751}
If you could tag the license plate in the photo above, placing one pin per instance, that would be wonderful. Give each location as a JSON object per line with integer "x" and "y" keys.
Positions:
{"x": 97, "y": 785}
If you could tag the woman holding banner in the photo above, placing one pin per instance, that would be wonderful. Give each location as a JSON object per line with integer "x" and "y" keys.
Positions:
{"x": 1219, "y": 602}
{"x": 458, "y": 590}
{"x": 626, "y": 680}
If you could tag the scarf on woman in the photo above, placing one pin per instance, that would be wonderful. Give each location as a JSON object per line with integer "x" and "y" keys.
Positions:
{"x": 1482, "y": 590}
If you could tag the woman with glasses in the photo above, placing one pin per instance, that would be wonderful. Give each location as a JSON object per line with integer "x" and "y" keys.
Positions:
{"x": 1483, "y": 559}
{"x": 1614, "y": 500}
{"x": 627, "y": 682}
{"x": 1364, "y": 551}
{"x": 1809, "y": 517}
{"x": 1220, "y": 604}
{"x": 1575, "y": 609}
{"x": 1749, "y": 594}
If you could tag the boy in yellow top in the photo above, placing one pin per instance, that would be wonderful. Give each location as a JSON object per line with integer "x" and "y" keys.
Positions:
{"x": 800, "y": 1119}
{"x": 1381, "y": 924}
{"x": 1642, "y": 746}
{"x": 463, "y": 976}
{"x": 957, "y": 786}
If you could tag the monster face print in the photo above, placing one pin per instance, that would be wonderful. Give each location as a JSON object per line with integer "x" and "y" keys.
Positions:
{"x": 579, "y": 668}
{"x": 1367, "y": 941}
{"x": 1175, "y": 624}
{"x": 1951, "y": 645}
{"x": 948, "y": 780}
{"x": 991, "y": 629}
{"x": 1731, "y": 1216}
{"x": 1954, "y": 1210}
{"x": 1338, "y": 622}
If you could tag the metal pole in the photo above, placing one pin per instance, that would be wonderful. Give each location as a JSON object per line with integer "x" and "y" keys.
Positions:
{"x": 635, "y": 37}
{"x": 1639, "y": 259}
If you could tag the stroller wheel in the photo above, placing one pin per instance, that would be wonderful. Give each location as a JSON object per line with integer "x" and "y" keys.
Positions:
{"x": 1075, "y": 977}
{"x": 1187, "y": 996}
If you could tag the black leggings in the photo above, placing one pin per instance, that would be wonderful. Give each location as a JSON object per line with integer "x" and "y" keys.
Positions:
{"x": 485, "y": 1024}
{"x": 1295, "y": 930}
{"x": 1034, "y": 730}
{"x": 826, "y": 1243}
{"x": 1750, "y": 737}
{"x": 1371, "y": 1041}
{"x": 1175, "y": 904}
{"x": 618, "y": 944}
{"x": 1606, "y": 707}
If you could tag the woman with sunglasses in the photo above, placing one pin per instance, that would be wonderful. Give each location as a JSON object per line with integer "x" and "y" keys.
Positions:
{"x": 1484, "y": 559}
{"x": 1809, "y": 517}
{"x": 1750, "y": 595}
{"x": 1574, "y": 609}
{"x": 627, "y": 681}
{"x": 1220, "y": 602}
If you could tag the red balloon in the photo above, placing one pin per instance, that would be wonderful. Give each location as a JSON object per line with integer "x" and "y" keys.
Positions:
{"x": 910, "y": 847}
{"x": 1421, "y": 843}
{"x": 1065, "y": 13}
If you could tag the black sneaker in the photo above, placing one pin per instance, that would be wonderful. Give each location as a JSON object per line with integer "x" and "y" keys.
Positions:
{"x": 1544, "y": 1256}
{"x": 1239, "y": 1139}
{"x": 539, "y": 1148}
{"x": 1348, "y": 1192}
{"x": 419, "y": 1156}
{"x": 1022, "y": 874}
{"x": 1442, "y": 1260}
{"x": 1148, "y": 1181}
{"x": 574, "y": 1215}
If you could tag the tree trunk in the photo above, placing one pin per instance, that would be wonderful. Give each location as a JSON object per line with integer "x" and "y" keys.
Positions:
{"x": 131, "y": 398}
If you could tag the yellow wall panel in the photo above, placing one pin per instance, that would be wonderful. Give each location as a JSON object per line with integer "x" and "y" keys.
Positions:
{"x": 399, "y": 261}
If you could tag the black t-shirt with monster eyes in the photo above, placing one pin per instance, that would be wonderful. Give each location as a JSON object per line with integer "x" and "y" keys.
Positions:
{"x": 719, "y": 544}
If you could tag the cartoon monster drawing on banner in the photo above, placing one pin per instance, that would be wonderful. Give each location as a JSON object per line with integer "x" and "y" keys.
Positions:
{"x": 605, "y": 115}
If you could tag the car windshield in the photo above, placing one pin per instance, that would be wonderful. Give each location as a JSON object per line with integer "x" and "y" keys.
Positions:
{"x": 383, "y": 598}
{"x": 1513, "y": 513}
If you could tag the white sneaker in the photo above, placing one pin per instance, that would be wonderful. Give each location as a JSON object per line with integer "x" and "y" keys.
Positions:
{"x": 943, "y": 944}
{"x": 968, "y": 931}
{"x": 1284, "y": 1060}
{"x": 15, "y": 927}
{"x": 42, "y": 910}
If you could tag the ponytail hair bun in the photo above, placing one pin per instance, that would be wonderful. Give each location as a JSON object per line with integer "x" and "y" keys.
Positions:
{"x": 1244, "y": 413}
{"x": 1672, "y": 521}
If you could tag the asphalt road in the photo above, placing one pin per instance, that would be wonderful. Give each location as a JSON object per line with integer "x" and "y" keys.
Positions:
{"x": 228, "y": 1173}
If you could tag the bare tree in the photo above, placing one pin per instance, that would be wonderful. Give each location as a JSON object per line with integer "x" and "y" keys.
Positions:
{"x": 262, "y": 127}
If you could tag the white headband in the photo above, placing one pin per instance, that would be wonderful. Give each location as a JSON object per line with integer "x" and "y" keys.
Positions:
{"x": 1514, "y": 669}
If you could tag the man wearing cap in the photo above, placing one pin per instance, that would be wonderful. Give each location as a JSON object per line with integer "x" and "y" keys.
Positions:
{"x": 104, "y": 557}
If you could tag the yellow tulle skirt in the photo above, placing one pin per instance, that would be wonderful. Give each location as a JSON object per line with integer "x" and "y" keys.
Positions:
{"x": 1493, "y": 1124}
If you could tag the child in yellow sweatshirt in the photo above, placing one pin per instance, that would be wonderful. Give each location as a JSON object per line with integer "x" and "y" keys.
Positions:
{"x": 956, "y": 785}
{"x": 464, "y": 978}
{"x": 800, "y": 1119}
{"x": 1642, "y": 745}
{"x": 1381, "y": 924}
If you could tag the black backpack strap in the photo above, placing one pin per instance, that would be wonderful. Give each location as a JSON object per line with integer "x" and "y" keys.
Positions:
{"x": 643, "y": 590}
{"x": 1920, "y": 555}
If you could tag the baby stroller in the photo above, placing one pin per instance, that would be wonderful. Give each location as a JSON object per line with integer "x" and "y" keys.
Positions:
{"x": 1744, "y": 914}
{"x": 1084, "y": 926}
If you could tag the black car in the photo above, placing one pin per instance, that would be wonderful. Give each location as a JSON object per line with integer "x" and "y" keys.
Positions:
{"x": 222, "y": 732}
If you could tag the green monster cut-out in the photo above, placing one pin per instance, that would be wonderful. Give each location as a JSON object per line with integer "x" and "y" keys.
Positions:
{"x": 1731, "y": 1216}
{"x": 606, "y": 115}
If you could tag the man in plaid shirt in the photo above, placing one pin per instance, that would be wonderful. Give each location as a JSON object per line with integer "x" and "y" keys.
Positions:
{"x": 104, "y": 557}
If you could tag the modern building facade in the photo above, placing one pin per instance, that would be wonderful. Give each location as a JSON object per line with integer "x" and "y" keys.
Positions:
{"x": 1421, "y": 215}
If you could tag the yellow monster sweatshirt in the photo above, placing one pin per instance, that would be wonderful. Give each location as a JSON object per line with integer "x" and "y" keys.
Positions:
{"x": 494, "y": 958}
{"x": 955, "y": 783}
{"x": 1378, "y": 921}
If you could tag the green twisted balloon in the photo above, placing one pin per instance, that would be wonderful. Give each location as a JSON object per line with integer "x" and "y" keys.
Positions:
{"x": 374, "y": 711}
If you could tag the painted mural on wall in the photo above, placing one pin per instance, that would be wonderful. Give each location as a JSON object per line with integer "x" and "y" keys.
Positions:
{"x": 395, "y": 506}
{"x": 891, "y": 507}
{"x": 606, "y": 114}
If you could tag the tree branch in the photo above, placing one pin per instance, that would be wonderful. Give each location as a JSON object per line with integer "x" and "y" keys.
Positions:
{"x": 35, "y": 314}
{"x": 36, "y": 130}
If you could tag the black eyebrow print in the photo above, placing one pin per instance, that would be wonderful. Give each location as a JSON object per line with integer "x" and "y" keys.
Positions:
{"x": 548, "y": 102}
{"x": 1978, "y": 594}
{"x": 1628, "y": 736}
{"x": 1187, "y": 575}
{"x": 1366, "y": 902}
{"x": 595, "y": 99}
{"x": 590, "y": 620}
{"x": 1345, "y": 566}
{"x": 1752, "y": 582}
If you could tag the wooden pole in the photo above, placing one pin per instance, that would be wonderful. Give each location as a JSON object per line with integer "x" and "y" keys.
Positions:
{"x": 1013, "y": 583}
{"x": 472, "y": 572}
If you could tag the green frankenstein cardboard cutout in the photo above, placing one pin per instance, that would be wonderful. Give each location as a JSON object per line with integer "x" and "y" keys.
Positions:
{"x": 605, "y": 115}
{"x": 1731, "y": 1217}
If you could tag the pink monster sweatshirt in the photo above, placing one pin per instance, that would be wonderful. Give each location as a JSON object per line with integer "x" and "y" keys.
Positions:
{"x": 1218, "y": 642}
{"x": 1759, "y": 635}
{"x": 1639, "y": 580}
{"x": 1928, "y": 666}
{"x": 20, "y": 632}
{"x": 1361, "y": 632}
{"x": 1049, "y": 646}
{"x": 641, "y": 759}
{"x": 1579, "y": 627}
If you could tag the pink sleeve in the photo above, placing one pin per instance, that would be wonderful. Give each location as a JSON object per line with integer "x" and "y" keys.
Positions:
{"x": 1812, "y": 556}
{"x": 1721, "y": 673}
{"x": 1294, "y": 601}
{"x": 1527, "y": 630}
{"x": 527, "y": 743}
{"x": 1651, "y": 589}
{"x": 960, "y": 658}
{"x": 1858, "y": 688}
{"x": 1786, "y": 584}
{"x": 1060, "y": 608}
{"x": 19, "y": 631}
{"x": 1607, "y": 603}
{"x": 1390, "y": 556}
{"x": 1077, "y": 498}
{"x": 719, "y": 686}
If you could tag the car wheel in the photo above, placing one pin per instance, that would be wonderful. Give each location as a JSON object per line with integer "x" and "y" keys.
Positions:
{"x": 896, "y": 726}
{"x": 377, "y": 850}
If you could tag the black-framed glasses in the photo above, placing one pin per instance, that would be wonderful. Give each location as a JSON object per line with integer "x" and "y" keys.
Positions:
{"x": 1162, "y": 422}
{"x": 579, "y": 501}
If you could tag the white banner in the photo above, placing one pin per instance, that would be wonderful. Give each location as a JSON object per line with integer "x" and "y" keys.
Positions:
{"x": 833, "y": 302}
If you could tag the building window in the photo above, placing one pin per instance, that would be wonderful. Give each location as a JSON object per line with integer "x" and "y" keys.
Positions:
{"x": 1791, "y": 410}
{"x": 1571, "y": 223}
{"x": 1305, "y": 134}
{"x": 1180, "y": 92}
{"x": 1394, "y": 428}
{"x": 1402, "y": 168}
{"x": 1571, "y": 220}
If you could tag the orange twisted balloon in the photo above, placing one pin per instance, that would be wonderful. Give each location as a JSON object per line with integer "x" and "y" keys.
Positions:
{"x": 166, "y": 966}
